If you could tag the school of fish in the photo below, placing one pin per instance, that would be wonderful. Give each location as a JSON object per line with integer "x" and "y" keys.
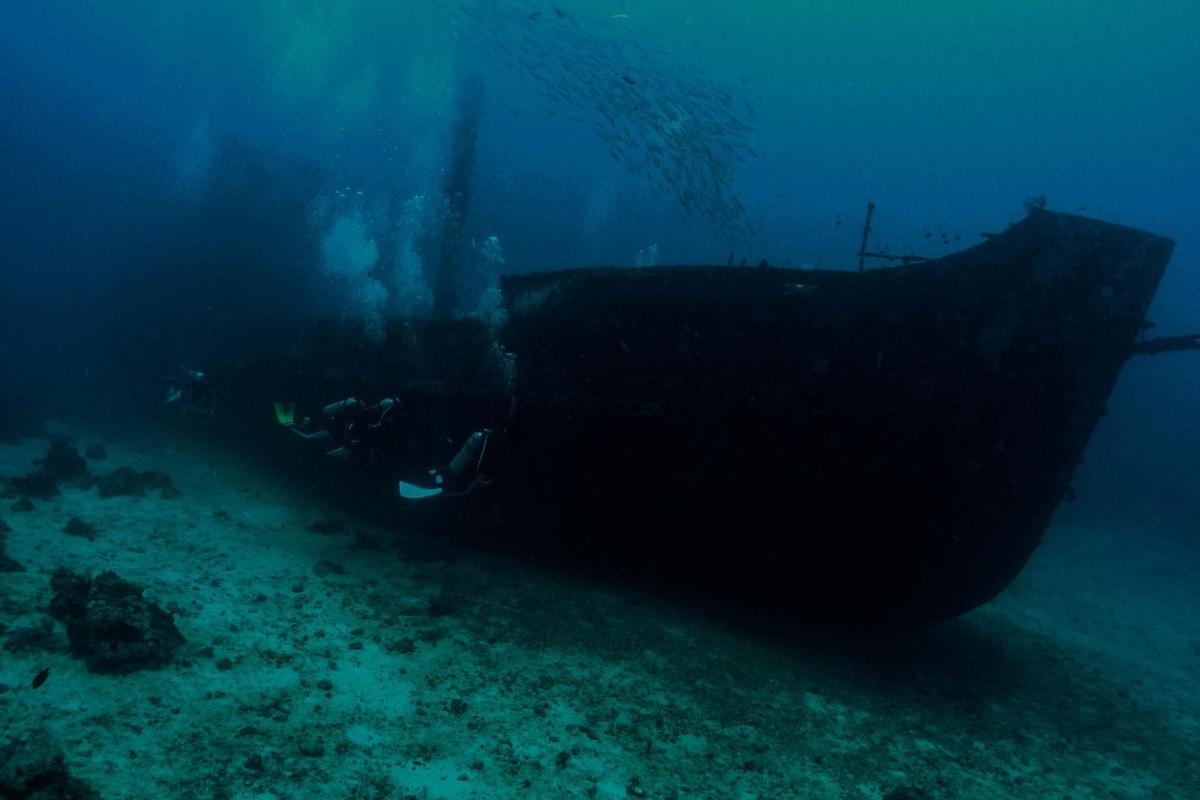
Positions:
{"x": 661, "y": 119}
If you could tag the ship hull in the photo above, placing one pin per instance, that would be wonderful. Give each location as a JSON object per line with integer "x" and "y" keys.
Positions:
{"x": 884, "y": 447}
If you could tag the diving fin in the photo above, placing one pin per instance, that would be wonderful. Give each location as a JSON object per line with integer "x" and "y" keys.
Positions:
{"x": 411, "y": 491}
{"x": 285, "y": 413}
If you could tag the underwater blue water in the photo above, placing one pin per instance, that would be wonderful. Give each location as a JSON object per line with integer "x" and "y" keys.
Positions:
{"x": 947, "y": 115}
{"x": 170, "y": 170}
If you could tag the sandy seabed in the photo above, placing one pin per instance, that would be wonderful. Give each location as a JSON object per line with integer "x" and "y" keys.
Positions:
{"x": 326, "y": 657}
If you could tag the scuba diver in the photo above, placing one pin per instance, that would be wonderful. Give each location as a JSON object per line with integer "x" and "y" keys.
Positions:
{"x": 369, "y": 433}
{"x": 191, "y": 390}
{"x": 461, "y": 476}
{"x": 352, "y": 426}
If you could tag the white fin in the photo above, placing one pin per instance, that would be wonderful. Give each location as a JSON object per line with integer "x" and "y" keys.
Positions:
{"x": 410, "y": 491}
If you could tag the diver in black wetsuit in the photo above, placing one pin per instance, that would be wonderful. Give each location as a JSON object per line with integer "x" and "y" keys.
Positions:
{"x": 464, "y": 473}
{"x": 192, "y": 391}
{"x": 352, "y": 426}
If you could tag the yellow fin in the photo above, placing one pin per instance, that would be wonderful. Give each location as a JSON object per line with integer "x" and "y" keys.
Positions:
{"x": 285, "y": 413}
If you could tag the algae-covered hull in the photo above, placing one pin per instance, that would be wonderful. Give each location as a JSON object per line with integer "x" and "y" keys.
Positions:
{"x": 885, "y": 446}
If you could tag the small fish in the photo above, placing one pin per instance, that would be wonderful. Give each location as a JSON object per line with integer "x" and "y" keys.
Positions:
{"x": 629, "y": 80}
{"x": 40, "y": 678}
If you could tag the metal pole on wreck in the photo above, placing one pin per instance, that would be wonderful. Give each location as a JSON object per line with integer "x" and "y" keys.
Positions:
{"x": 458, "y": 198}
{"x": 862, "y": 249}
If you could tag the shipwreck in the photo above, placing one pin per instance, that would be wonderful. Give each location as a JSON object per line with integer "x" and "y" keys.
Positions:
{"x": 882, "y": 447}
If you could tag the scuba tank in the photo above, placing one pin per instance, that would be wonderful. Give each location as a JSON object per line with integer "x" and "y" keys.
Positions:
{"x": 340, "y": 408}
{"x": 469, "y": 454}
